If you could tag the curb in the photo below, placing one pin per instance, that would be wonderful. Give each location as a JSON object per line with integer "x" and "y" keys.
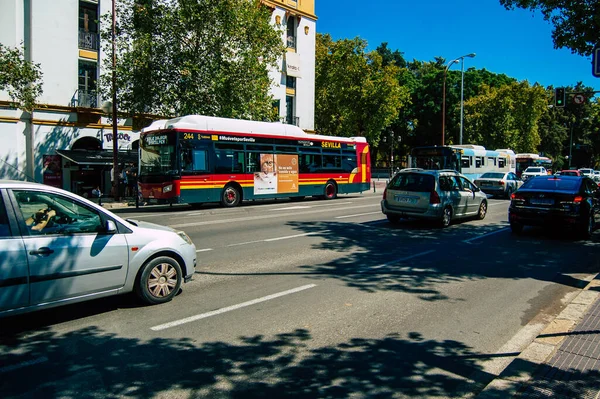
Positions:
{"x": 523, "y": 368}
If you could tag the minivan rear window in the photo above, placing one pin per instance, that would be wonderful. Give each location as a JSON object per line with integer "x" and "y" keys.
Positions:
{"x": 553, "y": 184}
{"x": 412, "y": 182}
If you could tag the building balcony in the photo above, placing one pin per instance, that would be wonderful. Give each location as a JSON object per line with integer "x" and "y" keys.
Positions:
{"x": 292, "y": 120}
{"x": 89, "y": 41}
{"x": 85, "y": 98}
{"x": 291, "y": 42}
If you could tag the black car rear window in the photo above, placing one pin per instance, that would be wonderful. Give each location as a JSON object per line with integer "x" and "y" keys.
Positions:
{"x": 553, "y": 184}
{"x": 412, "y": 182}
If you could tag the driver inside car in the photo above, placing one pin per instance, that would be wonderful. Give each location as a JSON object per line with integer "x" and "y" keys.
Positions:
{"x": 40, "y": 219}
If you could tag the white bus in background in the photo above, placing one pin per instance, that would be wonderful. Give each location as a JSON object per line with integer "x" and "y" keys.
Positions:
{"x": 470, "y": 160}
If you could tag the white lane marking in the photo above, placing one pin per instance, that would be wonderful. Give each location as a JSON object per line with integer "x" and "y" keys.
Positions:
{"x": 486, "y": 235}
{"x": 355, "y": 215}
{"x": 292, "y": 207}
{"x": 245, "y": 243}
{"x": 195, "y": 214}
{"x": 262, "y": 217}
{"x": 230, "y": 308}
{"x": 204, "y": 250}
{"x": 402, "y": 259}
{"x": 21, "y": 365}
{"x": 294, "y": 236}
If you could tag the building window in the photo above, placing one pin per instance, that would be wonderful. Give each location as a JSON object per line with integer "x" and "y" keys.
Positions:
{"x": 291, "y": 32}
{"x": 290, "y": 114}
{"x": 86, "y": 93}
{"x": 88, "y": 27}
{"x": 290, "y": 82}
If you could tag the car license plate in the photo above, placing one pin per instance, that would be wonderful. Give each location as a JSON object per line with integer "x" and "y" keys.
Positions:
{"x": 406, "y": 200}
{"x": 541, "y": 201}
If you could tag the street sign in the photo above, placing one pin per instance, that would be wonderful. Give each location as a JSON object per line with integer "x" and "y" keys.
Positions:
{"x": 578, "y": 98}
{"x": 596, "y": 62}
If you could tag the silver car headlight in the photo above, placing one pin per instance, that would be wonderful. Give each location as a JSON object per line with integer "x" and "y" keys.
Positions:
{"x": 185, "y": 237}
{"x": 168, "y": 189}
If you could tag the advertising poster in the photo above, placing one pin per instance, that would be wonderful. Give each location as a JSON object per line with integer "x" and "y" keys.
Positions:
{"x": 287, "y": 173}
{"x": 278, "y": 174}
{"x": 52, "y": 171}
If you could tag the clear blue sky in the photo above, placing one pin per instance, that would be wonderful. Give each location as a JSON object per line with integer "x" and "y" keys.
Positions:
{"x": 517, "y": 43}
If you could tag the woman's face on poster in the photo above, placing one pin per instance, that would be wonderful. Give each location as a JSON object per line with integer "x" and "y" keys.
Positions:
{"x": 267, "y": 163}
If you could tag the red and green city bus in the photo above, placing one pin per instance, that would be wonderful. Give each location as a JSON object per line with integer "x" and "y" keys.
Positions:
{"x": 197, "y": 159}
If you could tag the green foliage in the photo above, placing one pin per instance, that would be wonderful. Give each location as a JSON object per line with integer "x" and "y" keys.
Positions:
{"x": 506, "y": 117}
{"x": 20, "y": 78}
{"x": 356, "y": 93}
{"x": 576, "y": 22}
{"x": 208, "y": 57}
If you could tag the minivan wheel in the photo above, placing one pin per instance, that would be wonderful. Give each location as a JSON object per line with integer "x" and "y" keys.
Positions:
{"x": 482, "y": 210}
{"x": 446, "y": 217}
{"x": 393, "y": 218}
{"x": 159, "y": 281}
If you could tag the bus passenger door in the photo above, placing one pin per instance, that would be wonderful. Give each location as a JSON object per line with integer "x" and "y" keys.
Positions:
{"x": 196, "y": 177}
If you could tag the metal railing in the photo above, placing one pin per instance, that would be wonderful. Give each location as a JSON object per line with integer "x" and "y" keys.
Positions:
{"x": 85, "y": 98}
{"x": 89, "y": 40}
{"x": 291, "y": 42}
{"x": 292, "y": 120}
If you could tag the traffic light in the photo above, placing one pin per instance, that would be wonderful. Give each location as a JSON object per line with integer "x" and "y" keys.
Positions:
{"x": 559, "y": 97}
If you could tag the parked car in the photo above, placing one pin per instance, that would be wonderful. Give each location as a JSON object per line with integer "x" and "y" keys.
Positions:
{"x": 570, "y": 172}
{"x": 57, "y": 248}
{"x": 587, "y": 172}
{"x": 498, "y": 183}
{"x": 440, "y": 195}
{"x": 534, "y": 171}
{"x": 572, "y": 201}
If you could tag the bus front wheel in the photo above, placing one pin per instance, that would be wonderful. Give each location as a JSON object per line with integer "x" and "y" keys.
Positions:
{"x": 231, "y": 196}
{"x": 330, "y": 190}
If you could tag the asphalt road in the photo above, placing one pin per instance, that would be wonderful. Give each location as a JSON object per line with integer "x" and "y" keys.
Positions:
{"x": 315, "y": 299}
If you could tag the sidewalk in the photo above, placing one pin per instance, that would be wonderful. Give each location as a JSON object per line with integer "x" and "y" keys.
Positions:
{"x": 563, "y": 361}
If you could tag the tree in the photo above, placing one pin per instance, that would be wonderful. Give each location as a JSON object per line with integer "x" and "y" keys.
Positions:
{"x": 20, "y": 78}
{"x": 209, "y": 57}
{"x": 506, "y": 117}
{"x": 355, "y": 93}
{"x": 576, "y": 23}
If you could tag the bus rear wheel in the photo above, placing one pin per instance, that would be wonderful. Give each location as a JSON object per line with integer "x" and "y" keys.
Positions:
{"x": 231, "y": 196}
{"x": 330, "y": 190}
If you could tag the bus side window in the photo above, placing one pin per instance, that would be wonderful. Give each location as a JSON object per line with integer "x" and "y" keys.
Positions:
{"x": 465, "y": 162}
{"x": 194, "y": 160}
{"x": 253, "y": 162}
{"x": 501, "y": 163}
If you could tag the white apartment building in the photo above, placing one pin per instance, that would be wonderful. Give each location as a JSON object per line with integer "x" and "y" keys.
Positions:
{"x": 67, "y": 141}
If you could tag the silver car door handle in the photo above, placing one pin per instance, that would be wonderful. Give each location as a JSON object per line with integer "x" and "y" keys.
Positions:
{"x": 42, "y": 251}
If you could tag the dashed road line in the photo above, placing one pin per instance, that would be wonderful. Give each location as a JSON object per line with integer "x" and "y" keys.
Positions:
{"x": 486, "y": 235}
{"x": 230, "y": 308}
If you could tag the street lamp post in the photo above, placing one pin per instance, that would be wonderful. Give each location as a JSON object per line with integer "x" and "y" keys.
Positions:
{"x": 462, "y": 89}
{"x": 115, "y": 135}
{"x": 444, "y": 102}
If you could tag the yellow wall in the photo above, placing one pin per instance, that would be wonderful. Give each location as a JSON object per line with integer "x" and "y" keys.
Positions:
{"x": 305, "y": 7}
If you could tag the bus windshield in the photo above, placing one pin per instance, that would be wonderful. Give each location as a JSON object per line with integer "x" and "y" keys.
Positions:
{"x": 158, "y": 155}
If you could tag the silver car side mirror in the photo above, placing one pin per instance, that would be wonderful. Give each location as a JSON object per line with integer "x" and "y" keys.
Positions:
{"x": 111, "y": 227}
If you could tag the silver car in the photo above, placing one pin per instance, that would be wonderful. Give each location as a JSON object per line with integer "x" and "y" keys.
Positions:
{"x": 57, "y": 248}
{"x": 501, "y": 184}
{"x": 440, "y": 195}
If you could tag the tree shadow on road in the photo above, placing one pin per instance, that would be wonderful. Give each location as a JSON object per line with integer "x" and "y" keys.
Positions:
{"x": 94, "y": 363}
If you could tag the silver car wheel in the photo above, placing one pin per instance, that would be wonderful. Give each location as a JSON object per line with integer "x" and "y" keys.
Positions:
{"x": 482, "y": 210}
{"x": 163, "y": 280}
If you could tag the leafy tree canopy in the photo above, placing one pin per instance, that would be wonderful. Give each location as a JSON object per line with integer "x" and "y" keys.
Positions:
{"x": 208, "y": 57}
{"x": 356, "y": 93}
{"x": 576, "y": 22}
{"x": 20, "y": 78}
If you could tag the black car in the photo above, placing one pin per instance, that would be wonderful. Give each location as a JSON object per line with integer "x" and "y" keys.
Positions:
{"x": 571, "y": 201}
